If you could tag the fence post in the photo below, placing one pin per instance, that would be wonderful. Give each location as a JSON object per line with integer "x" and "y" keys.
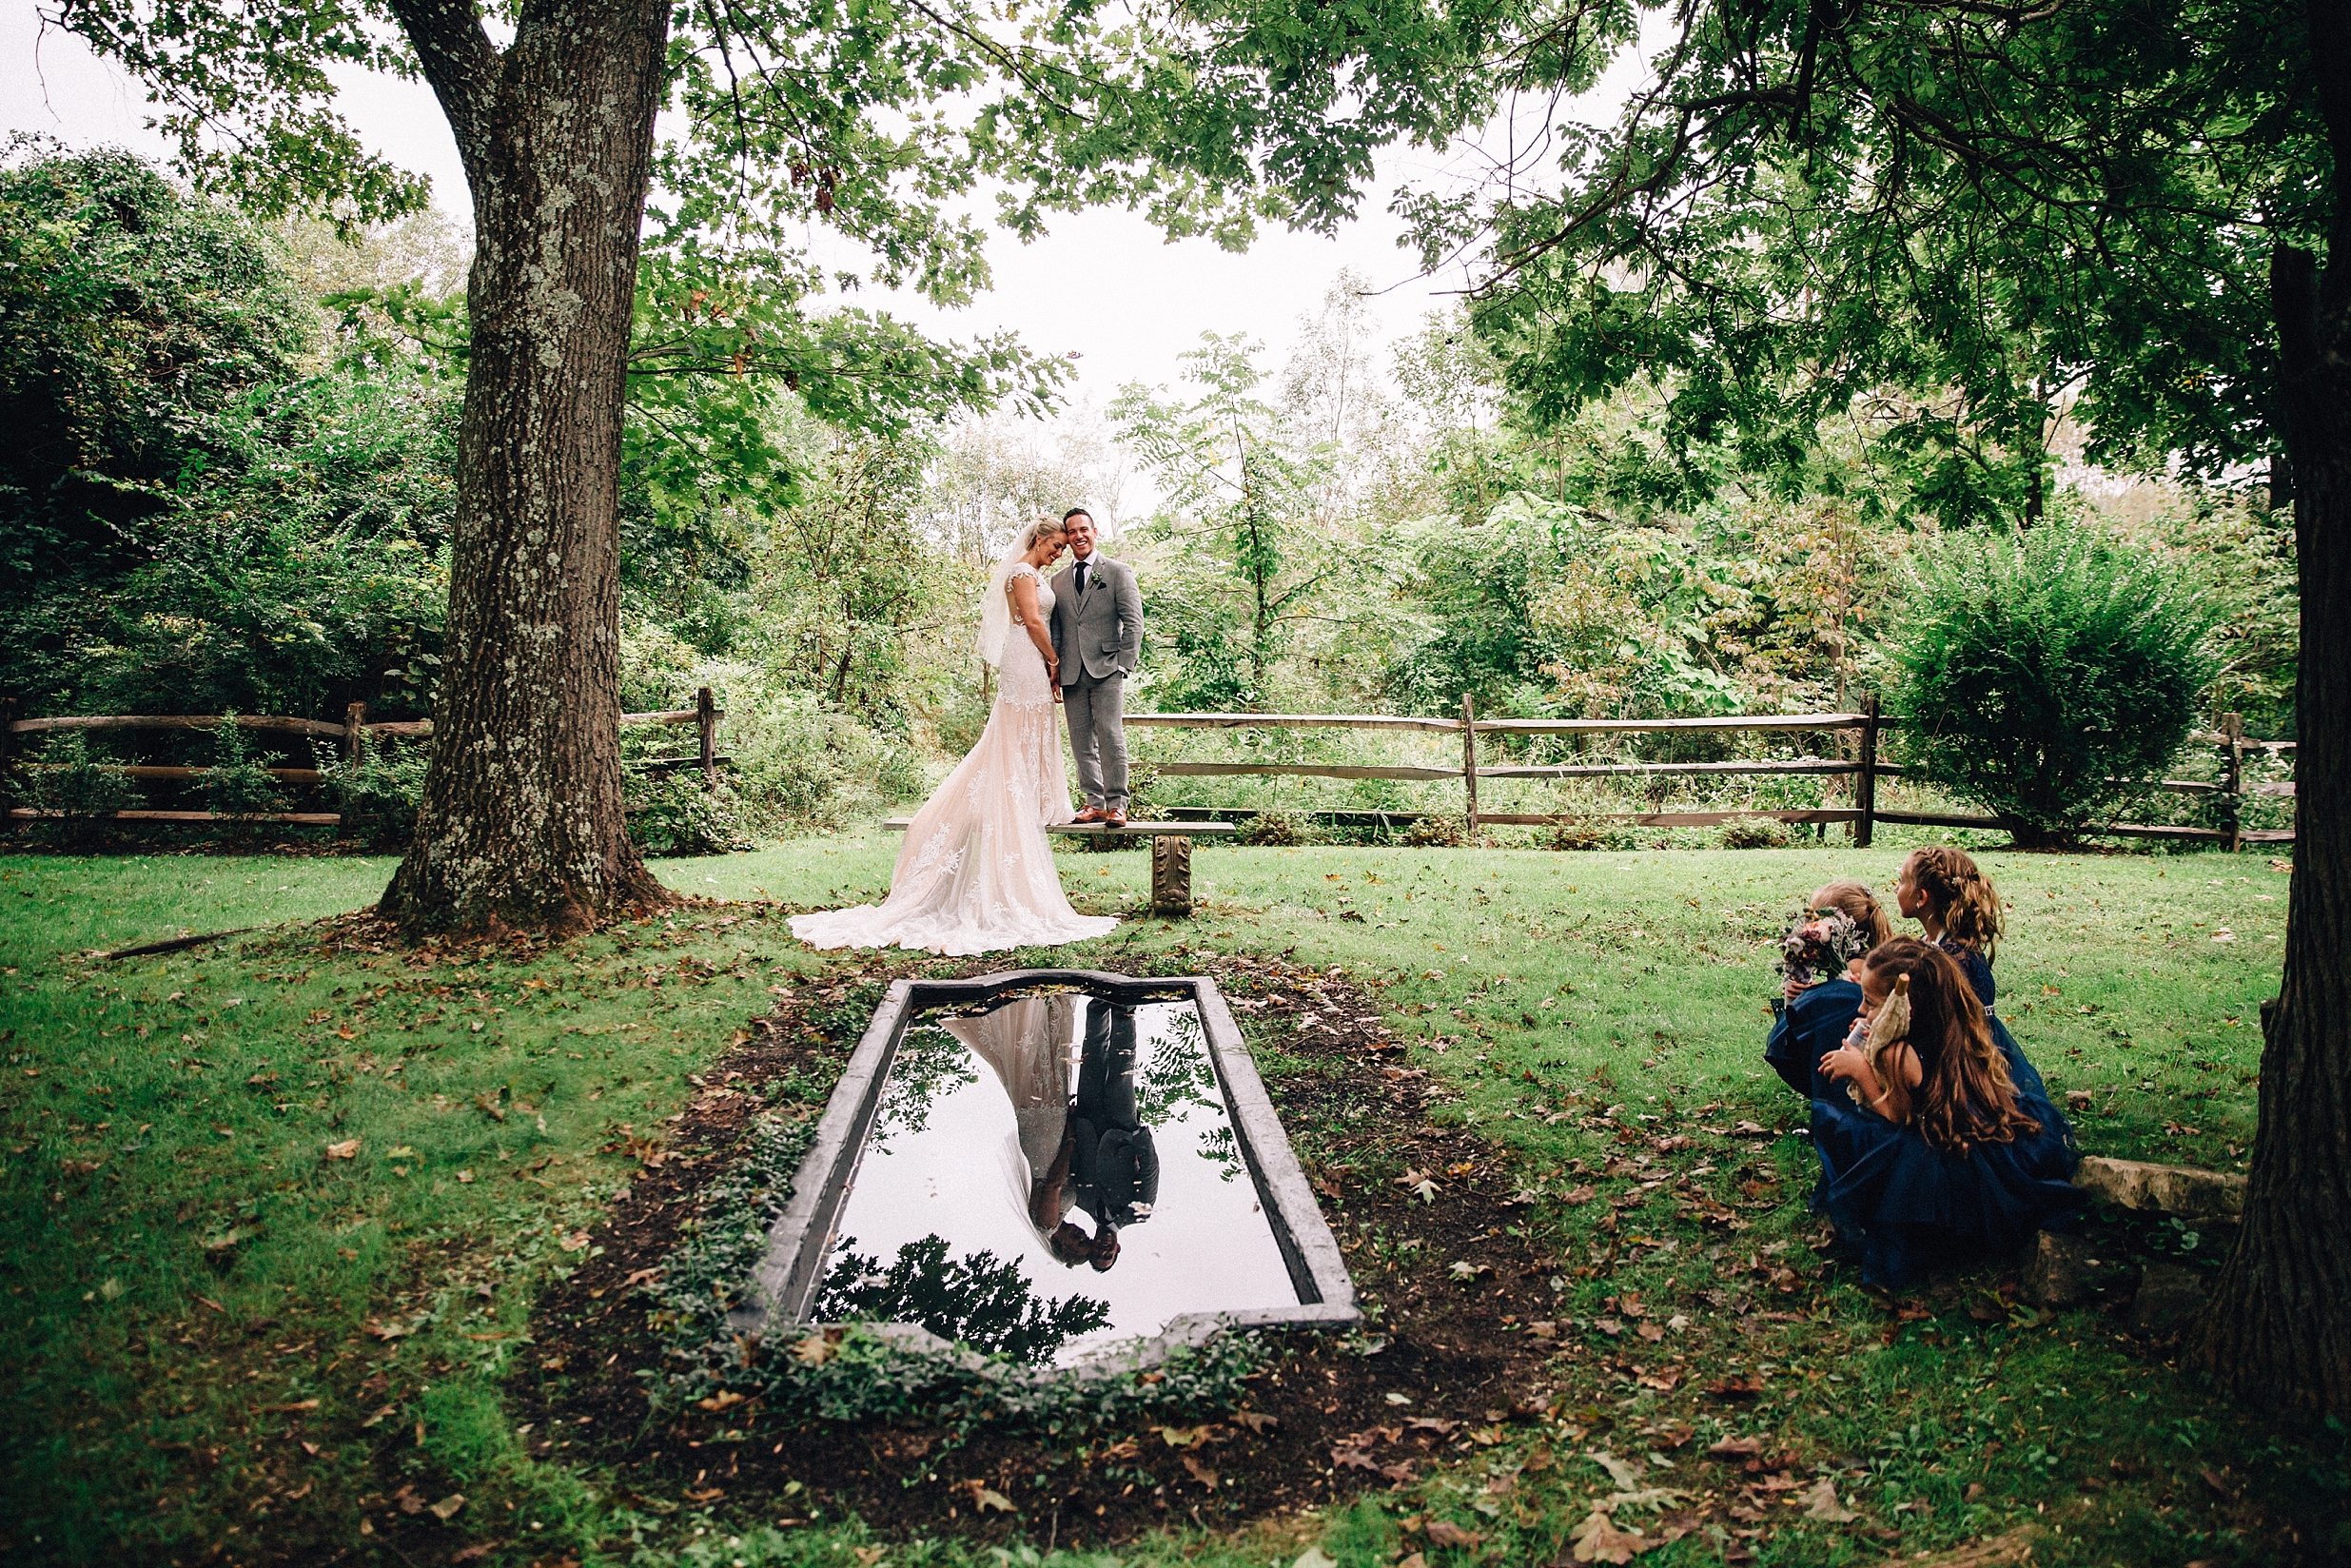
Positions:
{"x": 706, "y": 720}
{"x": 2232, "y": 781}
{"x": 354, "y": 718}
{"x": 1469, "y": 762}
{"x": 1865, "y": 785}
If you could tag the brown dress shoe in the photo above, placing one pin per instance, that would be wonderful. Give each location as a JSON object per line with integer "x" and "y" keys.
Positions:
{"x": 1115, "y": 819}
{"x": 1092, "y": 814}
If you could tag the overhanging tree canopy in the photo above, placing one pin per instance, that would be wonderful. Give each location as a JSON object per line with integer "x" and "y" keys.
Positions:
{"x": 2144, "y": 205}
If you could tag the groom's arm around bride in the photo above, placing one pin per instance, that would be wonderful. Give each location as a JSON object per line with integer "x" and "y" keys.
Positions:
{"x": 1098, "y": 636}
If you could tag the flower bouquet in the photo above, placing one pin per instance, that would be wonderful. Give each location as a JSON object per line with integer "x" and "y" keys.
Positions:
{"x": 1817, "y": 947}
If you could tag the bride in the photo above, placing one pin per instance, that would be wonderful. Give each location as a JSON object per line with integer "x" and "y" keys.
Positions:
{"x": 976, "y": 873}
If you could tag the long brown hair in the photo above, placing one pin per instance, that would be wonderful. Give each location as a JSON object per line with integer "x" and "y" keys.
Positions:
{"x": 1964, "y": 1096}
{"x": 1962, "y": 895}
{"x": 1861, "y": 905}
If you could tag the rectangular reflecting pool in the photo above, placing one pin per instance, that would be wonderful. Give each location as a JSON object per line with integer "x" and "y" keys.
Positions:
{"x": 1061, "y": 1167}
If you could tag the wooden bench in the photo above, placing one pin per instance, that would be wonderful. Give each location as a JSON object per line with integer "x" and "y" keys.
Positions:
{"x": 1172, "y": 853}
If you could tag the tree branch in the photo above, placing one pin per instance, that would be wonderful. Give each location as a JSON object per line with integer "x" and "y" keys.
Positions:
{"x": 463, "y": 66}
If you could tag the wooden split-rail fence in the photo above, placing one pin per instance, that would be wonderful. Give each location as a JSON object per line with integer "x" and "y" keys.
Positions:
{"x": 1865, "y": 768}
{"x": 704, "y": 715}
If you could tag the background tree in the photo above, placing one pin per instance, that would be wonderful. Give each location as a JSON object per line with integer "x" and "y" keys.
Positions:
{"x": 1243, "y": 487}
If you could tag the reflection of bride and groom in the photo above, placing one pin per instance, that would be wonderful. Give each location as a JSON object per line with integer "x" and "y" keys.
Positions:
{"x": 976, "y": 871}
{"x": 1086, "y": 1152}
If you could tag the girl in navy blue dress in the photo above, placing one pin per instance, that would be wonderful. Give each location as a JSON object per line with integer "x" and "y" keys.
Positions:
{"x": 1819, "y": 1011}
{"x": 1938, "y": 1147}
{"x": 1954, "y": 905}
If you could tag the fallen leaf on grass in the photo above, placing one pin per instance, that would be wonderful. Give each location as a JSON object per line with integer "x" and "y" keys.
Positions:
{"x": 1597, "y": 1539}
{"x": 347, "y": 1150}
{"x": 1543, "y": 1328}
{"x": 640, "y": 1276}
{"x": 1201, "y": 1473}
{"x": 446, "y": 1508}
{"x": 1438, "y": 1424}
{"x": 724, "y": 1399}
{"x": 1736, "y": 1387}
{"x": 1446, "y": 1533}
{"x": 576, "y": 1240}
{"x": 709, "y": 1496}
{"x": 379, "y": 1415}
{"x": 1256, "y": 1421}
{"x": 1824, "y": 1506}
{"x": 1353, "y": 1459}
{"x": 1625, "y": 1473}
{"x": 1650, "y": 1332}
{"x": 1737, "y": 1448}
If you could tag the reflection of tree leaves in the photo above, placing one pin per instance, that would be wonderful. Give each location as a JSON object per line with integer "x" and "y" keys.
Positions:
{"x": 1219, "y": 1144}
{"x": 1178, "y": 1074}
{"x": 931, "y": 1064}
{"x": 974, "y": 1300}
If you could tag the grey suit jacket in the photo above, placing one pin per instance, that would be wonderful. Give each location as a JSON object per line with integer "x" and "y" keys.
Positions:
{"x": 1099, "y": 632}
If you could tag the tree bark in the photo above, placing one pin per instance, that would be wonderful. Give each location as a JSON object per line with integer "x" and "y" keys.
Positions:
{"x": 2279, "y": 1330}
{"x": 523, "y": 824}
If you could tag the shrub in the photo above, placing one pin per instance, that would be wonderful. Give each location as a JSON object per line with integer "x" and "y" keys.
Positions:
{"x": 1437, "y": 830}
{"x": 85, "y": 790}
{"x": 1272, "y": 830}
{"x": 378, "y": 791}
{"x": 2047, "y": 678}
{"x": 236, "y": 787}
{"x": 670, "y": 813}
{"x": 1578, "y": 835}
{"x": 1754, "y": 834}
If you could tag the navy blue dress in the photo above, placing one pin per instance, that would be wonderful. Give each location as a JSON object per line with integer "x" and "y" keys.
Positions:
{"x": 1810, "y": 1026}
{"x": 1977, "y": 967}
{"x": 1906, "y": 1206}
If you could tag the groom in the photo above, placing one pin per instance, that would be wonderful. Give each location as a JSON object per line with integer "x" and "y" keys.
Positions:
{"x": 1097, "y": 635}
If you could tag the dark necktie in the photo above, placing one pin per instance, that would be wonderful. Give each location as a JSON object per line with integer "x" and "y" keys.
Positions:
{"x": 1081, "y": 577}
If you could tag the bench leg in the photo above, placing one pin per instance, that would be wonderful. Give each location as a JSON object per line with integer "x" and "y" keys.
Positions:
{"x": 1172, "y": 876}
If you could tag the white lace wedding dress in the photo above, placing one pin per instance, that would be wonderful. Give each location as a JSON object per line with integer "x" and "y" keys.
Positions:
{"x": 976, "y": 873}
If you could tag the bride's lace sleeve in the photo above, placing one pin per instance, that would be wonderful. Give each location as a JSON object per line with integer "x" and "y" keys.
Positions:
{"x": 1023, "y": 570}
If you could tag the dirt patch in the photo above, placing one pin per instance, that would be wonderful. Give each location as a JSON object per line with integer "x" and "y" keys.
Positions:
{"x": 1423, "y": 1211}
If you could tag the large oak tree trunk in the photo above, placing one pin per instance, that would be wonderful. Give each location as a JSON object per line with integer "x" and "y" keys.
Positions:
{"x": 2278, "y": 1330}
{"x": 521, "y": 825}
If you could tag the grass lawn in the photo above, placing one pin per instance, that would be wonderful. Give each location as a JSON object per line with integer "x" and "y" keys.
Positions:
{"x": 278, "y": 1207}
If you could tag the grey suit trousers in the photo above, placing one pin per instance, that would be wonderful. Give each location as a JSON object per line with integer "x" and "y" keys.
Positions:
{"x": 1098, "y": 737}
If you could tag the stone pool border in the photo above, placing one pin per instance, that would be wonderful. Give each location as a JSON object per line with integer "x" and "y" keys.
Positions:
{"x": 786, "y": 1279}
